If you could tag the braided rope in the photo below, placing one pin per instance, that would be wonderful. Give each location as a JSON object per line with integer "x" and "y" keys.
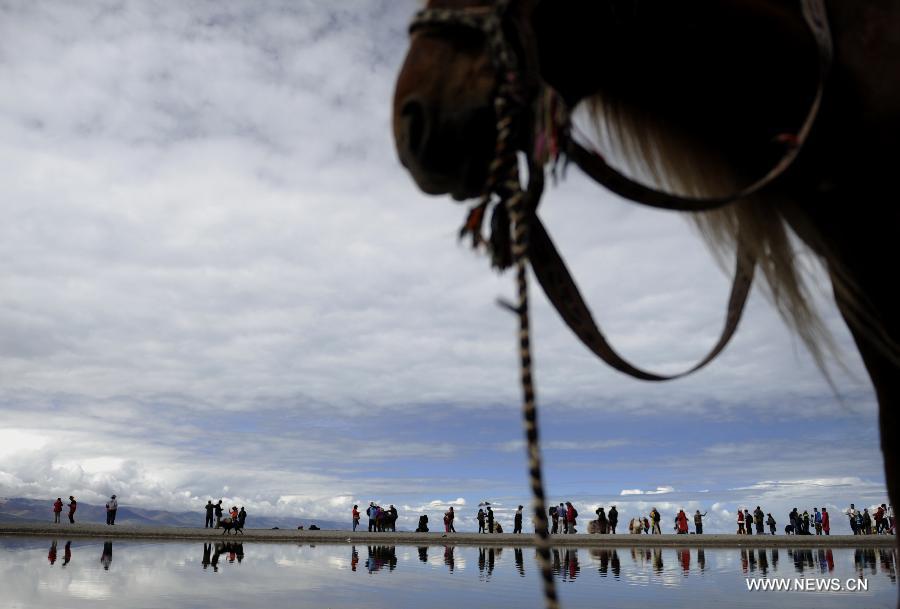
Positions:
{"x": 504, "y": 180}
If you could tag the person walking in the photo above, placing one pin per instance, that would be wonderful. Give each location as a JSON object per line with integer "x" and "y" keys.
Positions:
{"x": 73, "y": 505}
{"x": 209, "y": 522}
{"x": 480, "y": 518}
{"x": 771, "y": 522}
{"x": 698, "y": 522}
{"x": 517, "y": 521}
{"x": 448, "y": 521}
{"x": 57, "y": 509}
{"x": 111, "y": 509}
{"x": 613, "y": 517}
{"x": 355, "y": 516}
{"x": 826, "y": 521}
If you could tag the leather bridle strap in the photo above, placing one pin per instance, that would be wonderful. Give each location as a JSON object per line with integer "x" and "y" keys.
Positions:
{"x": 593, "y": 163}
{"x": 561, "y": 290}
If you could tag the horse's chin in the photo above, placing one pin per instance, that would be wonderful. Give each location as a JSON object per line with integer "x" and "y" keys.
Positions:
{"x": 467, "y": 184}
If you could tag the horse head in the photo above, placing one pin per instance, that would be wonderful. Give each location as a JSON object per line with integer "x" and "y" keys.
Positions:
{"x": 444, "y": 118}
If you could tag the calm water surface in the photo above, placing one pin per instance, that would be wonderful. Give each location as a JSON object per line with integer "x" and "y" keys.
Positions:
{"x": 43, "y": 573}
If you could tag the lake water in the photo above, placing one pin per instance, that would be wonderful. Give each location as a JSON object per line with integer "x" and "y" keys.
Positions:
{"x": 38, "y": 573}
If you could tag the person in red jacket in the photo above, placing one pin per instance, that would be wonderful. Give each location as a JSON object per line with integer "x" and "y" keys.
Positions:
{"x": 73, "y": 505}
{"x": 57, "y": 509}
{"x": 826, "y": 524}
{"x": 682, "y": 522}
{"x": 571, "y": 515}
{"x": 355, "y": 517}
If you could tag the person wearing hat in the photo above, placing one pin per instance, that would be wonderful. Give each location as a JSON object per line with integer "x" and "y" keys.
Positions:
{"x": 111, "y": 508}
{"x": 73, "y": 505}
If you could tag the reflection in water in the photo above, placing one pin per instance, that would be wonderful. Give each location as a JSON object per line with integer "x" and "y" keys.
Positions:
{"x": 381, "y": 557}
{"x": 651, "y": 577}
{"x": 106, "y": 556}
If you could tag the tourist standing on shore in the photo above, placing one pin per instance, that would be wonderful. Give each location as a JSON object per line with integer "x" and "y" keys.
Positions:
{"x": 817, "y": 520}
{"x": 758, "y": 517}
{"x": 242, "y": 517}
{"x": 698, "y": 522}
{"x": 748, "y": 522}
{"x": 73, "y": 505}
{"x": 517, "y": 521}
{"x": 851, "y": 514}
{"x": 613, "y": 517}
{"x": 794, "y": 517}
{"x": 826, "y": 521}
{"x": 218, "y": 511}
{"x": 111, "y": 508}
{"x": 480, "y": 519}
{"x": 563, "y": 518}
{"x": 490, "y": 519}
{"x": 355, "y": 516}
{"x": 554, "y": 519}
{"x": 805, "y": 525}
{"x": 740, "y": 522}
{"x": 57, "y": 509}
{"x": 392, "y": 518}
{"x": 867, "y": 521}
{"x": 371, "y": 512}
{"x": 571, "y": 515}
{"x": 771, "y": 522}
{"x": 601, "y": 520}
{"x": 879, "y": 519}
{"x": 210, "y": 508}
{"x": 681, "y": 522}
{"x": 655, "y": 517}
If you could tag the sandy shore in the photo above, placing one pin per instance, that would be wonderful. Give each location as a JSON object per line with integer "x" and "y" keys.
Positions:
{"x": 100, "y": 531}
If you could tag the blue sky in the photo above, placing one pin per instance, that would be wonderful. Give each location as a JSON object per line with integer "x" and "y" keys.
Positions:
{"x": 217, "y": 280}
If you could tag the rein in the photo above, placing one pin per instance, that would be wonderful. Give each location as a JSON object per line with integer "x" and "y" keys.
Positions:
{"x": 528, "y": 110}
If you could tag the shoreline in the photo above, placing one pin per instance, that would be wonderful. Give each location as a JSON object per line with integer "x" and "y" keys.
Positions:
{"x": 104, "y": 532}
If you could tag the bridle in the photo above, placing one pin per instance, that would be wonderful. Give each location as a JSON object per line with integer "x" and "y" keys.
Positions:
{"x": 529, "y": 107}
{"x": 531, "y": 116}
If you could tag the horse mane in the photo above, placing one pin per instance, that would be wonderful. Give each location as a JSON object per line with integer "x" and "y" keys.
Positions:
{"x": 658, "y": 153}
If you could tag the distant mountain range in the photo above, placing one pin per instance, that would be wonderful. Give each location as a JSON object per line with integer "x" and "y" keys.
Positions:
{"x": 18, "y": 509}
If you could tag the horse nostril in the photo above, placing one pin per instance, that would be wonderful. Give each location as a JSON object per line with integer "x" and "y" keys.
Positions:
{"x": 415, "y": 123}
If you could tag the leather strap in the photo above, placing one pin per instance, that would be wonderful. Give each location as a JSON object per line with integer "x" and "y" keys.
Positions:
{"x": 554, "y": 277}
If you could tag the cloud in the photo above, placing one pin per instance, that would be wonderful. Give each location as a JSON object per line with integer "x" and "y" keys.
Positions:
{"x": 660, "y": 490}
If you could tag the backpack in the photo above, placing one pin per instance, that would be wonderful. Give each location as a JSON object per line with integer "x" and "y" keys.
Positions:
{"x": 574, "y": 512}
{"x": 552, "y": 511}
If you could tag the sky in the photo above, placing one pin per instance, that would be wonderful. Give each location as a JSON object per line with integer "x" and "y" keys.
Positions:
{"x": 216, "y": 280}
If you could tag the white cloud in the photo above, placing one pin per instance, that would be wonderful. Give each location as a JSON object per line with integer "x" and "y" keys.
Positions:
{"x": 660, "y": 490}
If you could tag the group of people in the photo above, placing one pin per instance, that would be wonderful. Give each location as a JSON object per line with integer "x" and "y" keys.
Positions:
{"x": 215, "y": 513}
{"x": 746, "y": 521}
{"x": 380, "y": 519}
{"x": 861, "y": 521}
{"x": 487, "y": 523}
{"x": 650, "y": 524}
{"x": 605, "y": 523}
{"x": 112, "y": 507}
{"x": 563, "y": 518}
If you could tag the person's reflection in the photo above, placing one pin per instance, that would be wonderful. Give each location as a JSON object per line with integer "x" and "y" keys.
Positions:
{"x": 448, "y": 558}
{"x": 67, "y": 553}
{"x": 482, "y": 560}
{"x": 239, "y": 552}
{"x": 603, "y": 557}
{"x": 423, "y": 554}
{"x": 657, "y": 561}
{"x": 823, "y": 564}
{"x": 751, "y": 558}
{"x": 744, "y": 561}
{"x": 354, "y": 559}
{"x": 701, "y": 559}
{"x": 775, "y": 559}
{"x": 207, "y": 550}
{"x": 520, "y": 561}
{"x": 887, "y": 564}
{"x": 617, "y": 566}
{"x": 572, "y": 566}
{"x": 557, "y": 564}
{"x": 51, "y": 555}
{"x": 490, "y": 561}
{"x": 684, "y": 557}
{"x": 215, "y": 558}
{"x": 106, "y": 556}
{"x": 763, "y": 561}
{"x": 379, "y": 556}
